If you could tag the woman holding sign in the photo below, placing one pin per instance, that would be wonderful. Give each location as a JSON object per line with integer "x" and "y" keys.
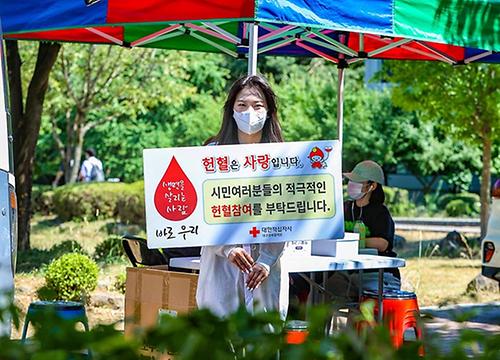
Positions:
{"x": 234, "y": 275}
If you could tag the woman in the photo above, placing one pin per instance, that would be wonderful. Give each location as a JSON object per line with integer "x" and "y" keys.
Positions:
{"x": 235, "y": 275}
{"x": 372, "y": 219}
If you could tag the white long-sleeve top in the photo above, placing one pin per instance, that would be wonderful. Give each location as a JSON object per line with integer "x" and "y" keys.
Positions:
{"x": 221, "y": 285}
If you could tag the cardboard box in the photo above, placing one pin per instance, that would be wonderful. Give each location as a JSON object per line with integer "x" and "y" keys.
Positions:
{"x": 151, "y": 290}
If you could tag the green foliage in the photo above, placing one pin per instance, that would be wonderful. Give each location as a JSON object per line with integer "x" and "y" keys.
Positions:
{"x": 120, "y": 282}
{"x": 458, "y": 207}
{"x": 101, "y": 200}
{"x": 87, "y": 200}
{"x": 201, "y": 335}
{"x": 398, "y": 202}
{"x": 37, "y": 259}
{"x": 470, "y": 198}
{"x": 307, "y": 105}
{"x": 68, "y": 246}
{"x": 110, "y": 250}
{"x": 183, "y": 107}
{"x": 71, "y": 277}
{"x": 42, "y": 199}
{"x": 471, "y": 94}
{"x": 131, "y": 207}
{"x": 463, "y": 101}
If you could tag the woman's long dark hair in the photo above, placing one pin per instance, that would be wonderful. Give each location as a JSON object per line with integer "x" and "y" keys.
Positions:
{"x": 378, "y": 195}
{"x": 228, "y": 133}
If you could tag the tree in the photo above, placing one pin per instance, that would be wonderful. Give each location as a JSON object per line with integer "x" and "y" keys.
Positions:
{"x": 93, "y": 85}
{"x": 169, "y": 98}
{"x": 26, "y": 111}
{"x": 464, "y": 101}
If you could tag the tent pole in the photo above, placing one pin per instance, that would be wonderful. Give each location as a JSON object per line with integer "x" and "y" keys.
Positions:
{"x": 340, "y": 104}
{"x": 253, "y": 41}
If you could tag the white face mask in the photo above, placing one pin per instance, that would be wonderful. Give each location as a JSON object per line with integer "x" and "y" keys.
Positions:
{"x": 354, "y": 190}
{"x": 250, "y": 121}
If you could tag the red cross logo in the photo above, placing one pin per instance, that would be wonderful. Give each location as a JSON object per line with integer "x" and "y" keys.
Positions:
{"x": 254, "y": 232}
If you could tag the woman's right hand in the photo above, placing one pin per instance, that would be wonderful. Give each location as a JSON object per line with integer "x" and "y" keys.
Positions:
{"x": 243, "y": 260}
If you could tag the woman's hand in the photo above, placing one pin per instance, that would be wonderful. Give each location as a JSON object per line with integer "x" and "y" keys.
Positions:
{"x": 258, "y": 274}
{"x": 243, "y": 260}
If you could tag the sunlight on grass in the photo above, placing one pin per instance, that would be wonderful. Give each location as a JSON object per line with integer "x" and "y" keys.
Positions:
{"x": 47, "y": 231}
{"x": 439, "y": 281}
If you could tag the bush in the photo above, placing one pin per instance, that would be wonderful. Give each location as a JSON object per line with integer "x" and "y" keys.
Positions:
{"x": 67, "y": 246}
{"x": 71, "y": 277}
{"x": 88, "y": 200}
{"x": 398, "y": 201}
{"x": 101, "y": 200}
{"x": 109, "y": 250}
{"x": 464, "y": 204}
{"x": 37, "y": 259}
{"x": 42, "y": 201}
{"x": 131, "y": 208}
{"x": 457, "y": 208}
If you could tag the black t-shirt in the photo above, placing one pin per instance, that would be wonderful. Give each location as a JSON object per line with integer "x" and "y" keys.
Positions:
{"x": 378, "y": 220}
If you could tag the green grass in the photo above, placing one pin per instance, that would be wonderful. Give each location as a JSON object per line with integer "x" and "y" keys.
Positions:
{"x": 47, "y": 233}
{"x": 442, "y": 281}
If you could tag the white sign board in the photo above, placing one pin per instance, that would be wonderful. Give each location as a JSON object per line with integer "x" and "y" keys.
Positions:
{"x": 243, "y": 194}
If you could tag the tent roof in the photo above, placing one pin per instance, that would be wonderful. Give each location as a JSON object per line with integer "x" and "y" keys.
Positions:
{"x": 454, "y": 31}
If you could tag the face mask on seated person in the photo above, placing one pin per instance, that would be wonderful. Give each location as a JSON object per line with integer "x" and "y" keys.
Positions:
{"x": 250, "y": 121}
{"x": 354, "y": 190}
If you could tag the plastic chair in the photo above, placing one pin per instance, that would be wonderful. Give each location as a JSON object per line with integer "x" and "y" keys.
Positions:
{"x": 138, "y": 252}
{"x": 68, "y": 310}
{"x": 400, "y": 313}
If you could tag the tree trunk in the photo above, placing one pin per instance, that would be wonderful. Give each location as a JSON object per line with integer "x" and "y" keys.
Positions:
{"x": 75, "y": 146}
{"x": 26, "y": 125}
{"x": 485, "y": 182}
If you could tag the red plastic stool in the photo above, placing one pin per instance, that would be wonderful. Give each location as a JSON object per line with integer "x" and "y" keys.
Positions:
{"x": 296, "y": 332}
{"x": 400, "y": 313}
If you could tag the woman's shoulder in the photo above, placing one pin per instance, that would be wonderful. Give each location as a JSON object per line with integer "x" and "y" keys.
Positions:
{"x": 381, "y": 208}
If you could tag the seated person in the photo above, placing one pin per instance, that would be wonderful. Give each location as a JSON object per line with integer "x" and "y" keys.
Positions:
{"x": 373, "y": 221}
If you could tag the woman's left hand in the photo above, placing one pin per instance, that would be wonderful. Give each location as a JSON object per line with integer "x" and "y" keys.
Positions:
{"x": 258, "y": 274}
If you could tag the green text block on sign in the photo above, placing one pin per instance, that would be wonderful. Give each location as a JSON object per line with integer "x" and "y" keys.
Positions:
{"x": 269, "y": 198}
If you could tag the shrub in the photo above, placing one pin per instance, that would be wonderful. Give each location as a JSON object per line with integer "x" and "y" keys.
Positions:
{"x": 71, "y": 277}
{"x": 42, "y": 201}
{"x": 88, "y": 200}
{"x": 105, "y": 200}
{"x": 67, "y": 246}
{"x": 398, "y": 201}
{"x": 464, "y": 204}
{"x": 458, "y": 207}
{"x": 109, "y": 250}
{"x": 131, "y": 208}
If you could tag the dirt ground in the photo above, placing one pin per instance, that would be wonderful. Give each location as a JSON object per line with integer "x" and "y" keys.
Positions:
{"x": 106, "y": 304}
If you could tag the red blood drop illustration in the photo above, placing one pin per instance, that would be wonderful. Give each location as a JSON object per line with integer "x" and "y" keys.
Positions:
{"x": 175, "y": 196}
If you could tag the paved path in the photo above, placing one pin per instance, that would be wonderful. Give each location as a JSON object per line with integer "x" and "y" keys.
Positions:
{"x": 482, "y": 317}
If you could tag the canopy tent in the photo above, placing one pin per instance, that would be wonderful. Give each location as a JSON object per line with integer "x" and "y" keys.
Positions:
{"x": 386, "y": 29}
{"x": 343, "y": 32}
